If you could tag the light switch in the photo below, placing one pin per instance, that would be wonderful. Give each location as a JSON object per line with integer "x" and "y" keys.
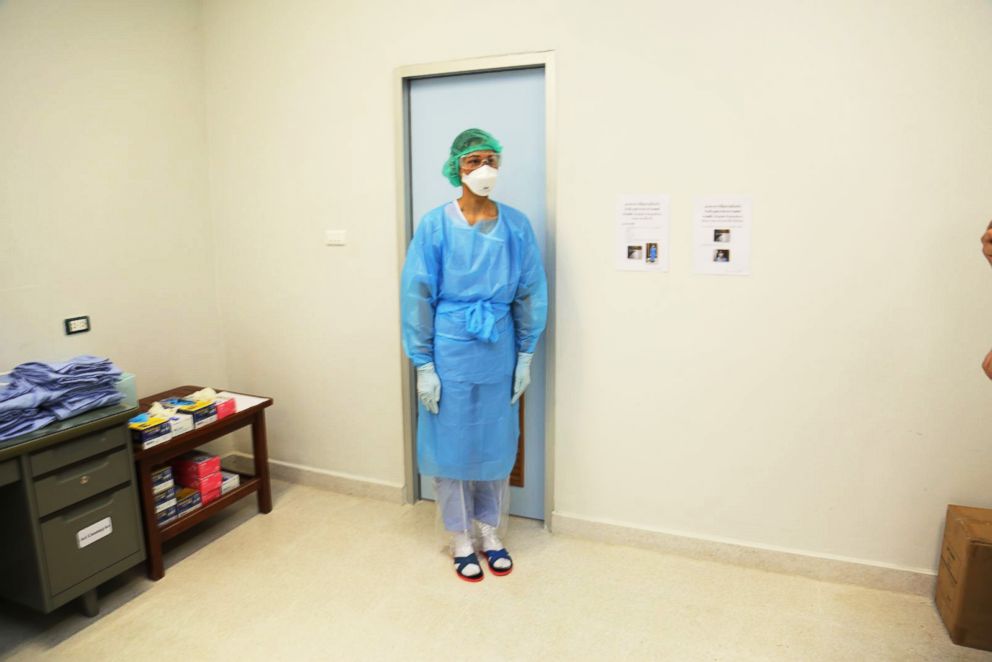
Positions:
{"x": 336, "y": 237}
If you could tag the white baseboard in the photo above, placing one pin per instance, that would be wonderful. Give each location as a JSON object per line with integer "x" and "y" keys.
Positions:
{"x": 328, "y": 480}
{"x": 843, "y": 571}
{"x": 837, "y": 570}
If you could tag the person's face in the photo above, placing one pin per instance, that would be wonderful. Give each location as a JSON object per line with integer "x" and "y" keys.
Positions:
{"x": 475, "y": 160}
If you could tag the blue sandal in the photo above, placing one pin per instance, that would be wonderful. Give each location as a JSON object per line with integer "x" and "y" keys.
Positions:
{"x": 494, "y": 555}
{"x": 461, "y": 562}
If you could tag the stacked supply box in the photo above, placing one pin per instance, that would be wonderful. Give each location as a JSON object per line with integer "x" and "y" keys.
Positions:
{"x": 187, "y": 500}
{"x": 230, "y": 480}
{"x": 180, "y": 423}
{"x": 200, "y": 471}
{"x": 964, "y": 580}
{"x": 225, "y": 407}
{"x": 203, "y": 412}
{"x": 150, "y": 431}
{"x": 163, "y": 487}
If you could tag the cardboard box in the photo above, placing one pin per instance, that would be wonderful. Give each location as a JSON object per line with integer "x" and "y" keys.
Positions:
{"x": 964, "y": 580}
{"x": 229, "y": 481}
{"x": 187, "y": 500}
{"x": 162, "y": 479}
{"x": 150, "y": 433}
{"x": 190, "y": 467}
{"x": 203, "y": 412}
{"x": 165, "y": 499}
{"x": 181, "y": 423}
{"x": 208, "y": 486}
{"x": 225, "y": 407}
{"x": 208, "y": 496}
{"x": 167, "y": 516}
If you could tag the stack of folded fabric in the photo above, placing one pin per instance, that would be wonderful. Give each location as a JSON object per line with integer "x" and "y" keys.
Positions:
{"x": 39, "y": 393}
{"x": 19, "y": 410}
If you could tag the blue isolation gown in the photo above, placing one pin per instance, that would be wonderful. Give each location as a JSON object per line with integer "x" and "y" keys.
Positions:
{"x": 472, "y": 297}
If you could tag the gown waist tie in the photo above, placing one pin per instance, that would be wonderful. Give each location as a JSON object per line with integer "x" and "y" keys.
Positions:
{"x": 480, "y": 317}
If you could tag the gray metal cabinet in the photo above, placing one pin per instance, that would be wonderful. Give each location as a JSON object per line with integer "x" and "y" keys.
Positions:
{"x": 68, "y": 510}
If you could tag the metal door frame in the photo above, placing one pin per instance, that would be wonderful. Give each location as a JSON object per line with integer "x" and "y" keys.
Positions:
{"x": 541, "y": 60}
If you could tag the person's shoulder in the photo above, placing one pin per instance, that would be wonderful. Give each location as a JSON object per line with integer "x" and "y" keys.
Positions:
{"x": 435, "y": 215}
{"x": 512, "y": 213}
{"x": 515, "y": 219}
{"x": 432, "y": 220}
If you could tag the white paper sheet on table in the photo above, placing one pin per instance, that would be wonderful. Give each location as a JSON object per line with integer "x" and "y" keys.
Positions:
{"x": 241, "y": 401}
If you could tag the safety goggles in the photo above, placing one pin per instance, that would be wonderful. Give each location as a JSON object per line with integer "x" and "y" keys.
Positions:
{"x": 473, "y": 161}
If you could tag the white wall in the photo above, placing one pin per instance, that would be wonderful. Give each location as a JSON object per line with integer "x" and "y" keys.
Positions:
{"x": 831, "y": 403}
{"x": 103, "y": 188}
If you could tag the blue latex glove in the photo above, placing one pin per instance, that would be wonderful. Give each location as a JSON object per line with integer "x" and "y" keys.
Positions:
{"x": 521, "y": 376}
{"x": 429, "y": 387}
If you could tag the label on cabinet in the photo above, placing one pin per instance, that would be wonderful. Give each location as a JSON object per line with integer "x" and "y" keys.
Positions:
{"x": 93, "y": 532}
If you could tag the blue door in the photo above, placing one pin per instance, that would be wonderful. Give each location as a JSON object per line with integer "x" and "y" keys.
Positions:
{"x": 509, "y": 105}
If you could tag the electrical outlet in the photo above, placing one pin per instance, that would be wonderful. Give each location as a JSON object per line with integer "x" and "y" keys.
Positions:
{"x": 77, "y": 325}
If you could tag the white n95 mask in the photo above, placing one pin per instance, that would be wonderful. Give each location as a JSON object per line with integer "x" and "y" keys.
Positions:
{"x": 481, "y": 181}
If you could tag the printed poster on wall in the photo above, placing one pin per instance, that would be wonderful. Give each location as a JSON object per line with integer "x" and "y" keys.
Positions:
{"x": 643, "y": 223}
{"x": 722, "y": 236}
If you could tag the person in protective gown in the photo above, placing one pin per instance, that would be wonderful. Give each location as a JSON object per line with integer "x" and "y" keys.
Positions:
{"x": 474, "y": 304}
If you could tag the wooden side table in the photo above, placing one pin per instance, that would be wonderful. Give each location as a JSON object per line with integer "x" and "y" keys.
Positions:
{"x": 150, "y": 458}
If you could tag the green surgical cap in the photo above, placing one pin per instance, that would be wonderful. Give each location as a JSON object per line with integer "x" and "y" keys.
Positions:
{"x": 468, "y": 141}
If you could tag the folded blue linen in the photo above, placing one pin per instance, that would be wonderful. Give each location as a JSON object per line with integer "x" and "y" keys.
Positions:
{"x": 82, "y": 402}
{"x": 19, "y": 395}
{"x": 80, "y": 371}
{"x": 21, "y": 421}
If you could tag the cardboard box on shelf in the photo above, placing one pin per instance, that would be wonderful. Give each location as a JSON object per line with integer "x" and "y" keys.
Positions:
{"x": 165, "y": 499}
{"x": 964, "y": 579}
{"x": 150, "y": 433}
{"x": 230, "y": 480}
{"x": 187, "y": 500}
{"x": 208, "y": 486}
{"x": 181, "y": 422}
{"x": 209, "y": 496}
{"x": 225, "y": 407}
{"x": 190, "y": 467}
{"x": 167, "y": 516}
{"x": 203, "y": 412}
{"x": 162, "y": 479}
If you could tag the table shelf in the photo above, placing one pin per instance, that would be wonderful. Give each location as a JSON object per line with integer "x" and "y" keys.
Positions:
{"x": 249, "y": 485}
{"x": 147, "y": 459}
{"x": 193, "y": 438}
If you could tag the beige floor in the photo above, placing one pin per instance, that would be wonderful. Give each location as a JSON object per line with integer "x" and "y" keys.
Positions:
{"x": 331, "y": 577}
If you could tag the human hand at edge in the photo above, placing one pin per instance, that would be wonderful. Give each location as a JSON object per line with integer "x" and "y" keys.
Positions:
{"x": 987, "y": 365}
{"x": 987, "y": 243}
{"x": 429, "y": 387}
{"x": 521, "y": 376}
